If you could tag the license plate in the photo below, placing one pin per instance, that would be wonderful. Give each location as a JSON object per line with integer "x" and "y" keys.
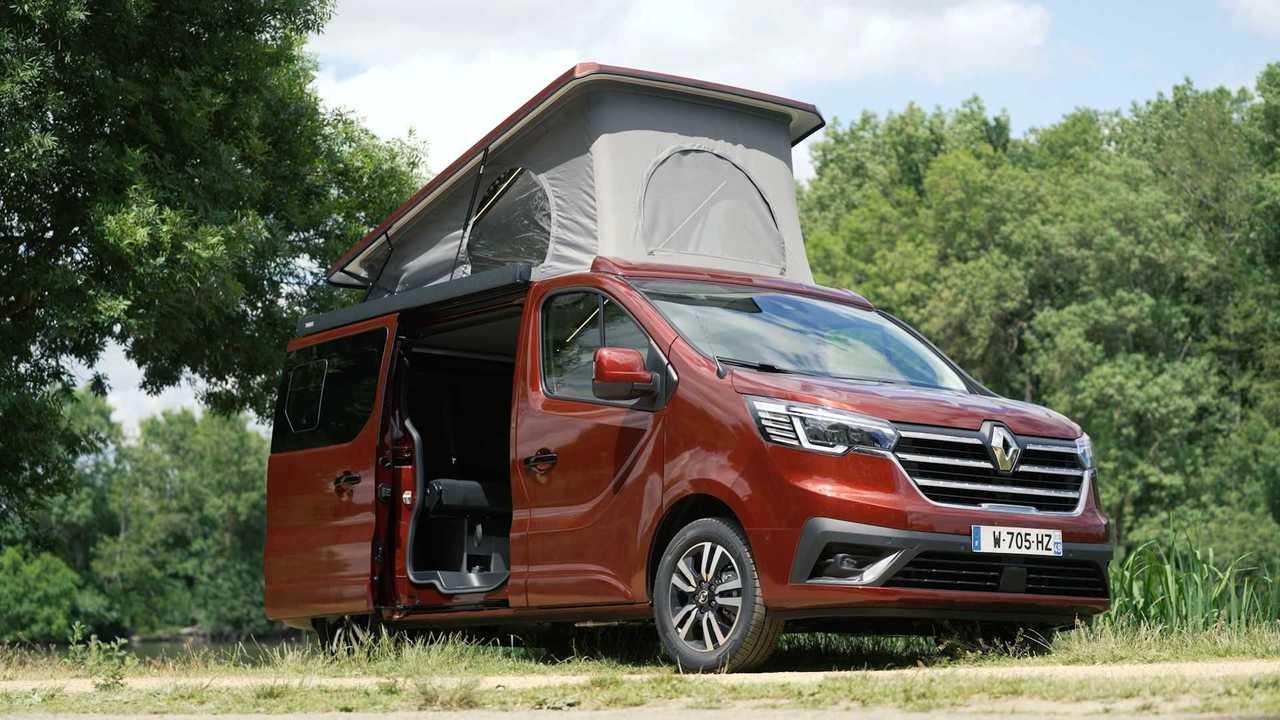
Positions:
{"x": 1016, "y": 541}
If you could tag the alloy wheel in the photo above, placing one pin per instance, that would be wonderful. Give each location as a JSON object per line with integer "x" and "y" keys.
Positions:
{"x": 706, "y": 596}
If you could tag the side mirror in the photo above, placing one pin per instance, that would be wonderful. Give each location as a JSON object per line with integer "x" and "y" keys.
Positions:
{"x": 620, "y": 374}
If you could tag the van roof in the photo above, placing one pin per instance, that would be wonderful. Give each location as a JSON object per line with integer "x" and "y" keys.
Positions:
{"x": 801, "y": 120}
{"x": 517, "y": 277}
{"x": 627, "y": 269}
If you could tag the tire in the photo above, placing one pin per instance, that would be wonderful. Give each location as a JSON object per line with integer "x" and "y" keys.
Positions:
{"x": 346, "y": 635}
{"x": 693, "y": 609}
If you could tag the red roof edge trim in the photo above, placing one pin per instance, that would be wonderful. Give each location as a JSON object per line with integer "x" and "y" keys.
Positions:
{"x": 623, "y": 268}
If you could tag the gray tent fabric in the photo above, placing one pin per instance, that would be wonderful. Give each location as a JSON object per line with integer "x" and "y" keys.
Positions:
{"x": 639, "y": 174}
{"x": 697, "y": 202}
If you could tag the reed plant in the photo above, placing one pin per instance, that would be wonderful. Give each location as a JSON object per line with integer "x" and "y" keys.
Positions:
{"x": 1180, "y": 587}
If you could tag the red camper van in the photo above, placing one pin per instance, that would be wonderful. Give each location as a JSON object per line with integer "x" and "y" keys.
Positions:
{"x": 591, "y": 380}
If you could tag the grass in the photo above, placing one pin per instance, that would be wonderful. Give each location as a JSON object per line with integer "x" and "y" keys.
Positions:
{"x": 1178, "y": 587}
{"x": 455, "y": 656}
{"x": 378, "y": 656}
{"x": 1170, "y": 603}
{"x": 907, "y": 691}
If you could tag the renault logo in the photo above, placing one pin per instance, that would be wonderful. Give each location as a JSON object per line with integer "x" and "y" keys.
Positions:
{"x": 1004, "y": 448}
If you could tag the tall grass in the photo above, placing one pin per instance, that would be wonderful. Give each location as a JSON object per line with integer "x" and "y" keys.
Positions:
{"x": 1178, "y": 587}
{"x": 1169, "y": 601}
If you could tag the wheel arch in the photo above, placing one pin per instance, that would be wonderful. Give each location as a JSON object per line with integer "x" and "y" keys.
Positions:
{"x": 695, "y": 506}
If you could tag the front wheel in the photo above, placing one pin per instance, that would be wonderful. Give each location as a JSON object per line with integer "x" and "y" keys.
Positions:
{"x": 707, "y": 602}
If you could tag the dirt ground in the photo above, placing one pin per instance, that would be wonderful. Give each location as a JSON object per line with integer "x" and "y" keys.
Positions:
{"x": 678, "y": 712}
{"x": 1136, "y": 671}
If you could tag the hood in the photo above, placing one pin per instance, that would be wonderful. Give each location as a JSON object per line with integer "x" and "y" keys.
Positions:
{"x": 906, "y": 404}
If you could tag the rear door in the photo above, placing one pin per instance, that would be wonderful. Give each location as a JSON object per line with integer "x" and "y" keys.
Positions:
{"x": 320, "y": 478}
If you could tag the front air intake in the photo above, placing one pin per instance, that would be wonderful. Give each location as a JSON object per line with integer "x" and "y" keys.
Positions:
{"x": 995, "y": 573}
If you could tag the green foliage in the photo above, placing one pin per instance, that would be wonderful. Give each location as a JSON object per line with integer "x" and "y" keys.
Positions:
{"x": 168, "y": 177}
{"x": 1178, "y": 587}
{"x": 37, "y": 596}
{"x": 1123, "y": 269}
{"x": 163, "y": 531}
{"x": 193, "y": 494}
{"x": 105, "y": 662}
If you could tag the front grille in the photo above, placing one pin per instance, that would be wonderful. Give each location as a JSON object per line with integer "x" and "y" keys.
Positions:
{"x": 996, "y": 573}
{"x": 954, "y": 467}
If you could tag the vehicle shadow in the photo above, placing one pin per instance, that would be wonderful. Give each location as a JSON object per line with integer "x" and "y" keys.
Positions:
{"x": 639, "y": 648}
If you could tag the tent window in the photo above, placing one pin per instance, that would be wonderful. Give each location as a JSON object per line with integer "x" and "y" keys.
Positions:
{"x": 699, "y": 203}
{"x": 513, "y": 223}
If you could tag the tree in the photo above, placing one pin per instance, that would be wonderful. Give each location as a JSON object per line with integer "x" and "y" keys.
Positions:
{"x": 190, "y": 505}
{"x": 168, "y": 181}
{"x": 37, "y": 596}
{"x": 163, "y": 530}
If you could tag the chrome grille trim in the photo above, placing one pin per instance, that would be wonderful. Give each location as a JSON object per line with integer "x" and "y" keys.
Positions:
{"x": 921, "y": 435}
{"x": 1052, "y": 448}
{"x": 1011, "y": 489}
{"x": 953, "y": 468}
{"x": 939, "y": 460}
{"x": 1048, "y": 470}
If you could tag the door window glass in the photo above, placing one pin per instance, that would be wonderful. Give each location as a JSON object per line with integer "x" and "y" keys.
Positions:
{"x": 328, "y": 392}
{"x": 570, "y": 335}
{"x": 573, "y": 326}
{"x": 306, "y": 388}
{"x": 621, "y": 331}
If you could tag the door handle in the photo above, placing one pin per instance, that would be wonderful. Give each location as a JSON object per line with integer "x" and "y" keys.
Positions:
{"x": 541, "y": 461}
{"x": 345, "y": 481}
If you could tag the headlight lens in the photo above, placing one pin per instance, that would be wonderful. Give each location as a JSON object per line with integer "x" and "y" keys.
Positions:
{"x": 819, "y": 429}
{"x": 1084, "y": 448}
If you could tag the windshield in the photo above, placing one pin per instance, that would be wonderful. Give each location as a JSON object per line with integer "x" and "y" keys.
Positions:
{"x": 775, "y": 331}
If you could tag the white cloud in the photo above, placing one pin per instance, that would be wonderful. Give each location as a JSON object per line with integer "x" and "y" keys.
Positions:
{"x": 450, "y": 106}
{"x": 801, "y": 162}
{"x": 1259, "y": 16}
{"x": 454, "y": 70}
{"x": 130, "y": 403}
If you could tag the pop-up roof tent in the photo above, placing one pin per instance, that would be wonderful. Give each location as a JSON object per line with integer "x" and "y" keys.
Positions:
{"x": 605, "y": 161}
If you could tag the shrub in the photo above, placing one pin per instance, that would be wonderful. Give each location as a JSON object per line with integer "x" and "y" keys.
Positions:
{"x": 37, "y": 596}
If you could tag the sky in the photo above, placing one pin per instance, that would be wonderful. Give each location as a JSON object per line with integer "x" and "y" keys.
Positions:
{"x": 450, "y": 71}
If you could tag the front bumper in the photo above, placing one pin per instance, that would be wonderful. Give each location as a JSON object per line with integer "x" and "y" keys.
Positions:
{"x": 909, "y": 573}
{"x": 888, "y": 551}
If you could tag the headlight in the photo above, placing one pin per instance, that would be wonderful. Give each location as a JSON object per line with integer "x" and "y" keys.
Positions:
{"x": 820, "y": 429}
{"x": 1084, "y": 448}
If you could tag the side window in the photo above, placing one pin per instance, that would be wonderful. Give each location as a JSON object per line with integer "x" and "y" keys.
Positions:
{"x": 699, "y": 203}
{"x": 621, "y": 331}
{"x": 327, "y": 392}
{"x": 512, "y": 223}
{"x": 570, "y": 335}
{"x": 573, "y": 326}
{"x": 305, "y": 389}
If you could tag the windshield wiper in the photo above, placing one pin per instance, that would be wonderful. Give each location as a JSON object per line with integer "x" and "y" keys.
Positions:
{"x": 762, "y": 367}
{"x": 860, "y": 378}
